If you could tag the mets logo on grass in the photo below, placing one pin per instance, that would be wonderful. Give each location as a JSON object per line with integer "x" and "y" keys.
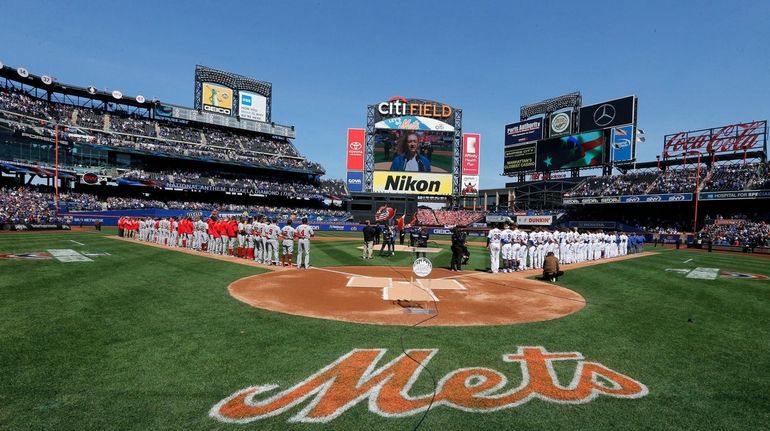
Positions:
{"x": 358, "y": 378}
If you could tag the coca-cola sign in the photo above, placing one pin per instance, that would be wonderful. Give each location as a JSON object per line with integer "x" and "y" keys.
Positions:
{"x": 732, "y": 138}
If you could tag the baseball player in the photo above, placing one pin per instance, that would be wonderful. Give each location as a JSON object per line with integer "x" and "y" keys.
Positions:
{"x": 287, "y": 244}
{"x": 493, "y": 243}
{"x": 506, "y": 237}
{"x": 271, "y": 233}
{"x": 304, "y": 233}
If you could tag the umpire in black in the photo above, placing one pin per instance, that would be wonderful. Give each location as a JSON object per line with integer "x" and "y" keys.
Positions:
{"x": 458, "y": 248}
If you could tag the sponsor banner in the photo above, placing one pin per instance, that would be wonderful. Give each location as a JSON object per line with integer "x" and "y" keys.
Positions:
{"x": 604, "y": 225}
{"x": 252, "y": 106}
{"x": 355, "y": 181}
{"x": 413, "y": 183}
{"x": 744, "y": 194}
{"x": 728, "y": 221}
{"x": 622, "y": 144}
{"x": 469, "y": 185}
{"x": 413, "y": 151}
{"x": 573, "y": 151}
{"x": 560, "y": 124}
{"x": 398, "y": 106}
{"x": 534, "y": 220}
{"x": 356, "y": 145}
{"x": 607, "y": 114}
{"x": 471, "y": 153}
{"x": 520, "y": 158}
{"x": 540, "y": 176}
{"x": 524, "y": 131}
{"x": 35, "y": 226}
{"x": 676, "y": 197}
{"x": 413, "y": 122}
{"x": 726, "y": 139}
{"x": 217, "y": 98}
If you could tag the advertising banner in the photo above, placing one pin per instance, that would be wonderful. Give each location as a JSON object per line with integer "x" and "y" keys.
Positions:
{"x": 217, "y": 98}
{"x": 356, "y": 139}
{"x": 534, "y": 220}
{"x": 733, "y": 138}
{"x": 471, "y": 153}
{"x": 414, "y": 183}
{"x": 573, "y": 151}
{"x": 252, "y": 106}
{"x": 540, "y": 176}
{"x": 743, "y": 194}
{"x": 355, "y": 181}
{"x": 524, "y": 131}
{"x": 670, "y": 197}
{"x": 520, "y": 158}
{"x": 622, "y": 144}
{"x": 469, "y": 185}
{"x": 607, "y": 114}
{"x": 414, "y": 111}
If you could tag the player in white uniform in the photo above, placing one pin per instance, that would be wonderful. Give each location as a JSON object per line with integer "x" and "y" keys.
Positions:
{"x": 623, "y": 245}
{"x": 506, "y": 238}
{"x": 287, "y": 244}
{"x": 241, "y": 237}
{"x": 515, "y": 246}
{"x": 248, "y": 229}
{"x": 522, "y": 256}
{"x": 493, "y": 243}
{"x": 271, "y": 232}
{"x": 304, "y": 233}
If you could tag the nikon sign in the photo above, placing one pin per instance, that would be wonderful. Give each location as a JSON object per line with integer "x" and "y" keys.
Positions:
{"x": 412, "y": 183}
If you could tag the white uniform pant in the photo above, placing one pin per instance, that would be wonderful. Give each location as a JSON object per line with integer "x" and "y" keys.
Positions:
{"x": 303, "y": 249}
{"x": 271, "y": 251}
{"x": 494, "y": 255}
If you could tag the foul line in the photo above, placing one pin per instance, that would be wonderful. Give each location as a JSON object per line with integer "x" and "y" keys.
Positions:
{"x": 78, "y": 243}
{"x": 687, "y": 260}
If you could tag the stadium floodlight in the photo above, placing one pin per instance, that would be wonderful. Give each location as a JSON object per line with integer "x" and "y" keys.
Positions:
{"x": 571, "y": 100}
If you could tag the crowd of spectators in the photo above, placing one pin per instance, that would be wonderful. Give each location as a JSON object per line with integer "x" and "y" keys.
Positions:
{"x": 34, "y": 204}
{"x": 448, "y": 217}
{"x": 737, "y": 233}
{"x": 140, "y": 133}
{"x": 634, "y": 183}
{"x": 26, "y": 205}
{"x": 260, "y": 185}
{"x": 753, "y": 176}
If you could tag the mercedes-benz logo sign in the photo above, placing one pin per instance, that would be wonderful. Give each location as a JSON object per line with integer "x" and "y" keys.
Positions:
{"x": 604, "y": 115}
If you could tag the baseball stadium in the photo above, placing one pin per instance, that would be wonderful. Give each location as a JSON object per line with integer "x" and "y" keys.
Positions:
{"x": 190, "y": 267}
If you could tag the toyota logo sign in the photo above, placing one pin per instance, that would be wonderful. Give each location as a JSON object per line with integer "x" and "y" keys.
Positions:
{"x": 356, "y": 146}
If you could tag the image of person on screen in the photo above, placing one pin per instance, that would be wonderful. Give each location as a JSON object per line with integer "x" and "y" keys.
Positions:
{"x": 408, "y": 157}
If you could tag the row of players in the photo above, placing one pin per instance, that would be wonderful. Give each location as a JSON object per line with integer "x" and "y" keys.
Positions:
{"x": 257, "y": 240}
{"x": 521, "y": 250}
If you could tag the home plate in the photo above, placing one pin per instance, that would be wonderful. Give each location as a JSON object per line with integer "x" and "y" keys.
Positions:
{"x": 407, "y": 291}
{"x": 357, "y": 281}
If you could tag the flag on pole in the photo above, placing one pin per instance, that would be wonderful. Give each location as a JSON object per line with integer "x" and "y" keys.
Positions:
{"x": 640, "y": 136}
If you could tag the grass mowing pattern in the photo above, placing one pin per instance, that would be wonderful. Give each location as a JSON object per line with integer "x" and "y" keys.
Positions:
{"x": 149, "y": 339}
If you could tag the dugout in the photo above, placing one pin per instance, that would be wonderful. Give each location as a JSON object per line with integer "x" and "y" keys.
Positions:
{"x": 362, "y": 206}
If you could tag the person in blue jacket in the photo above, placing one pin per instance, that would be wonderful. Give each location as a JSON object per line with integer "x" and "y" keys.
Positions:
{"x": 408, "y": 157}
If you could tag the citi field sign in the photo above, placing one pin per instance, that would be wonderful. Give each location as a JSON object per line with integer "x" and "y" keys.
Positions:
{"x": 358, "y": 377}
{"x": 398, "y": 106}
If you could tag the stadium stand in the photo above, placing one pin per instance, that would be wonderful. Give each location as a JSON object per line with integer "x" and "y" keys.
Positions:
{"x": 737, "y": 233}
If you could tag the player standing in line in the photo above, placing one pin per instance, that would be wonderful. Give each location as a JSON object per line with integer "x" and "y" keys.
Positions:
{"x": 623, "y": 245}
{"x": 241, "y": 238}
{"x": 506, "y": 238}
{"x": 304, "y": 233}
{"x": 248, "y": 229}
{"x": 213, "y": 233}
{"x": 522, "y": 256}
{"x": 287, "y": 244}
{"x": 541, "y": 239}
{"x": 493, "y": 243}
{"x": 173, "y": 232}
{"x": 515, "y": 246}
{"x": 258, "y": 229}
{"x": 232, "y": 234}
{"x": 271, "y": 235}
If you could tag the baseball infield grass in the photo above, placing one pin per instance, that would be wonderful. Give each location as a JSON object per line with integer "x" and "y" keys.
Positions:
{"x": 145, "y": 338}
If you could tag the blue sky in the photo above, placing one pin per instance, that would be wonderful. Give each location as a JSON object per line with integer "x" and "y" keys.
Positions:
{"x": 692, "y": 64}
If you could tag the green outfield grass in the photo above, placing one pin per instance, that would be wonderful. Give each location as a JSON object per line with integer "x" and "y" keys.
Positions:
{"x": 147, "y": 338}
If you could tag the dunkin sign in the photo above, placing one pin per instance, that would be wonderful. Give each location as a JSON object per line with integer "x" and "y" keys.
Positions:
{"x": 358, "y": 378}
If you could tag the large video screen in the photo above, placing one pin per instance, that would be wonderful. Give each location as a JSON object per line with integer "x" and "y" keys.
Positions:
{"x": 413, "y": 151}
{"x": 573, "y": 151}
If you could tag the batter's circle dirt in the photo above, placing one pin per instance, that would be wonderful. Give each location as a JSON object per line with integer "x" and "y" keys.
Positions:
{"x": 489, "y": 299}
